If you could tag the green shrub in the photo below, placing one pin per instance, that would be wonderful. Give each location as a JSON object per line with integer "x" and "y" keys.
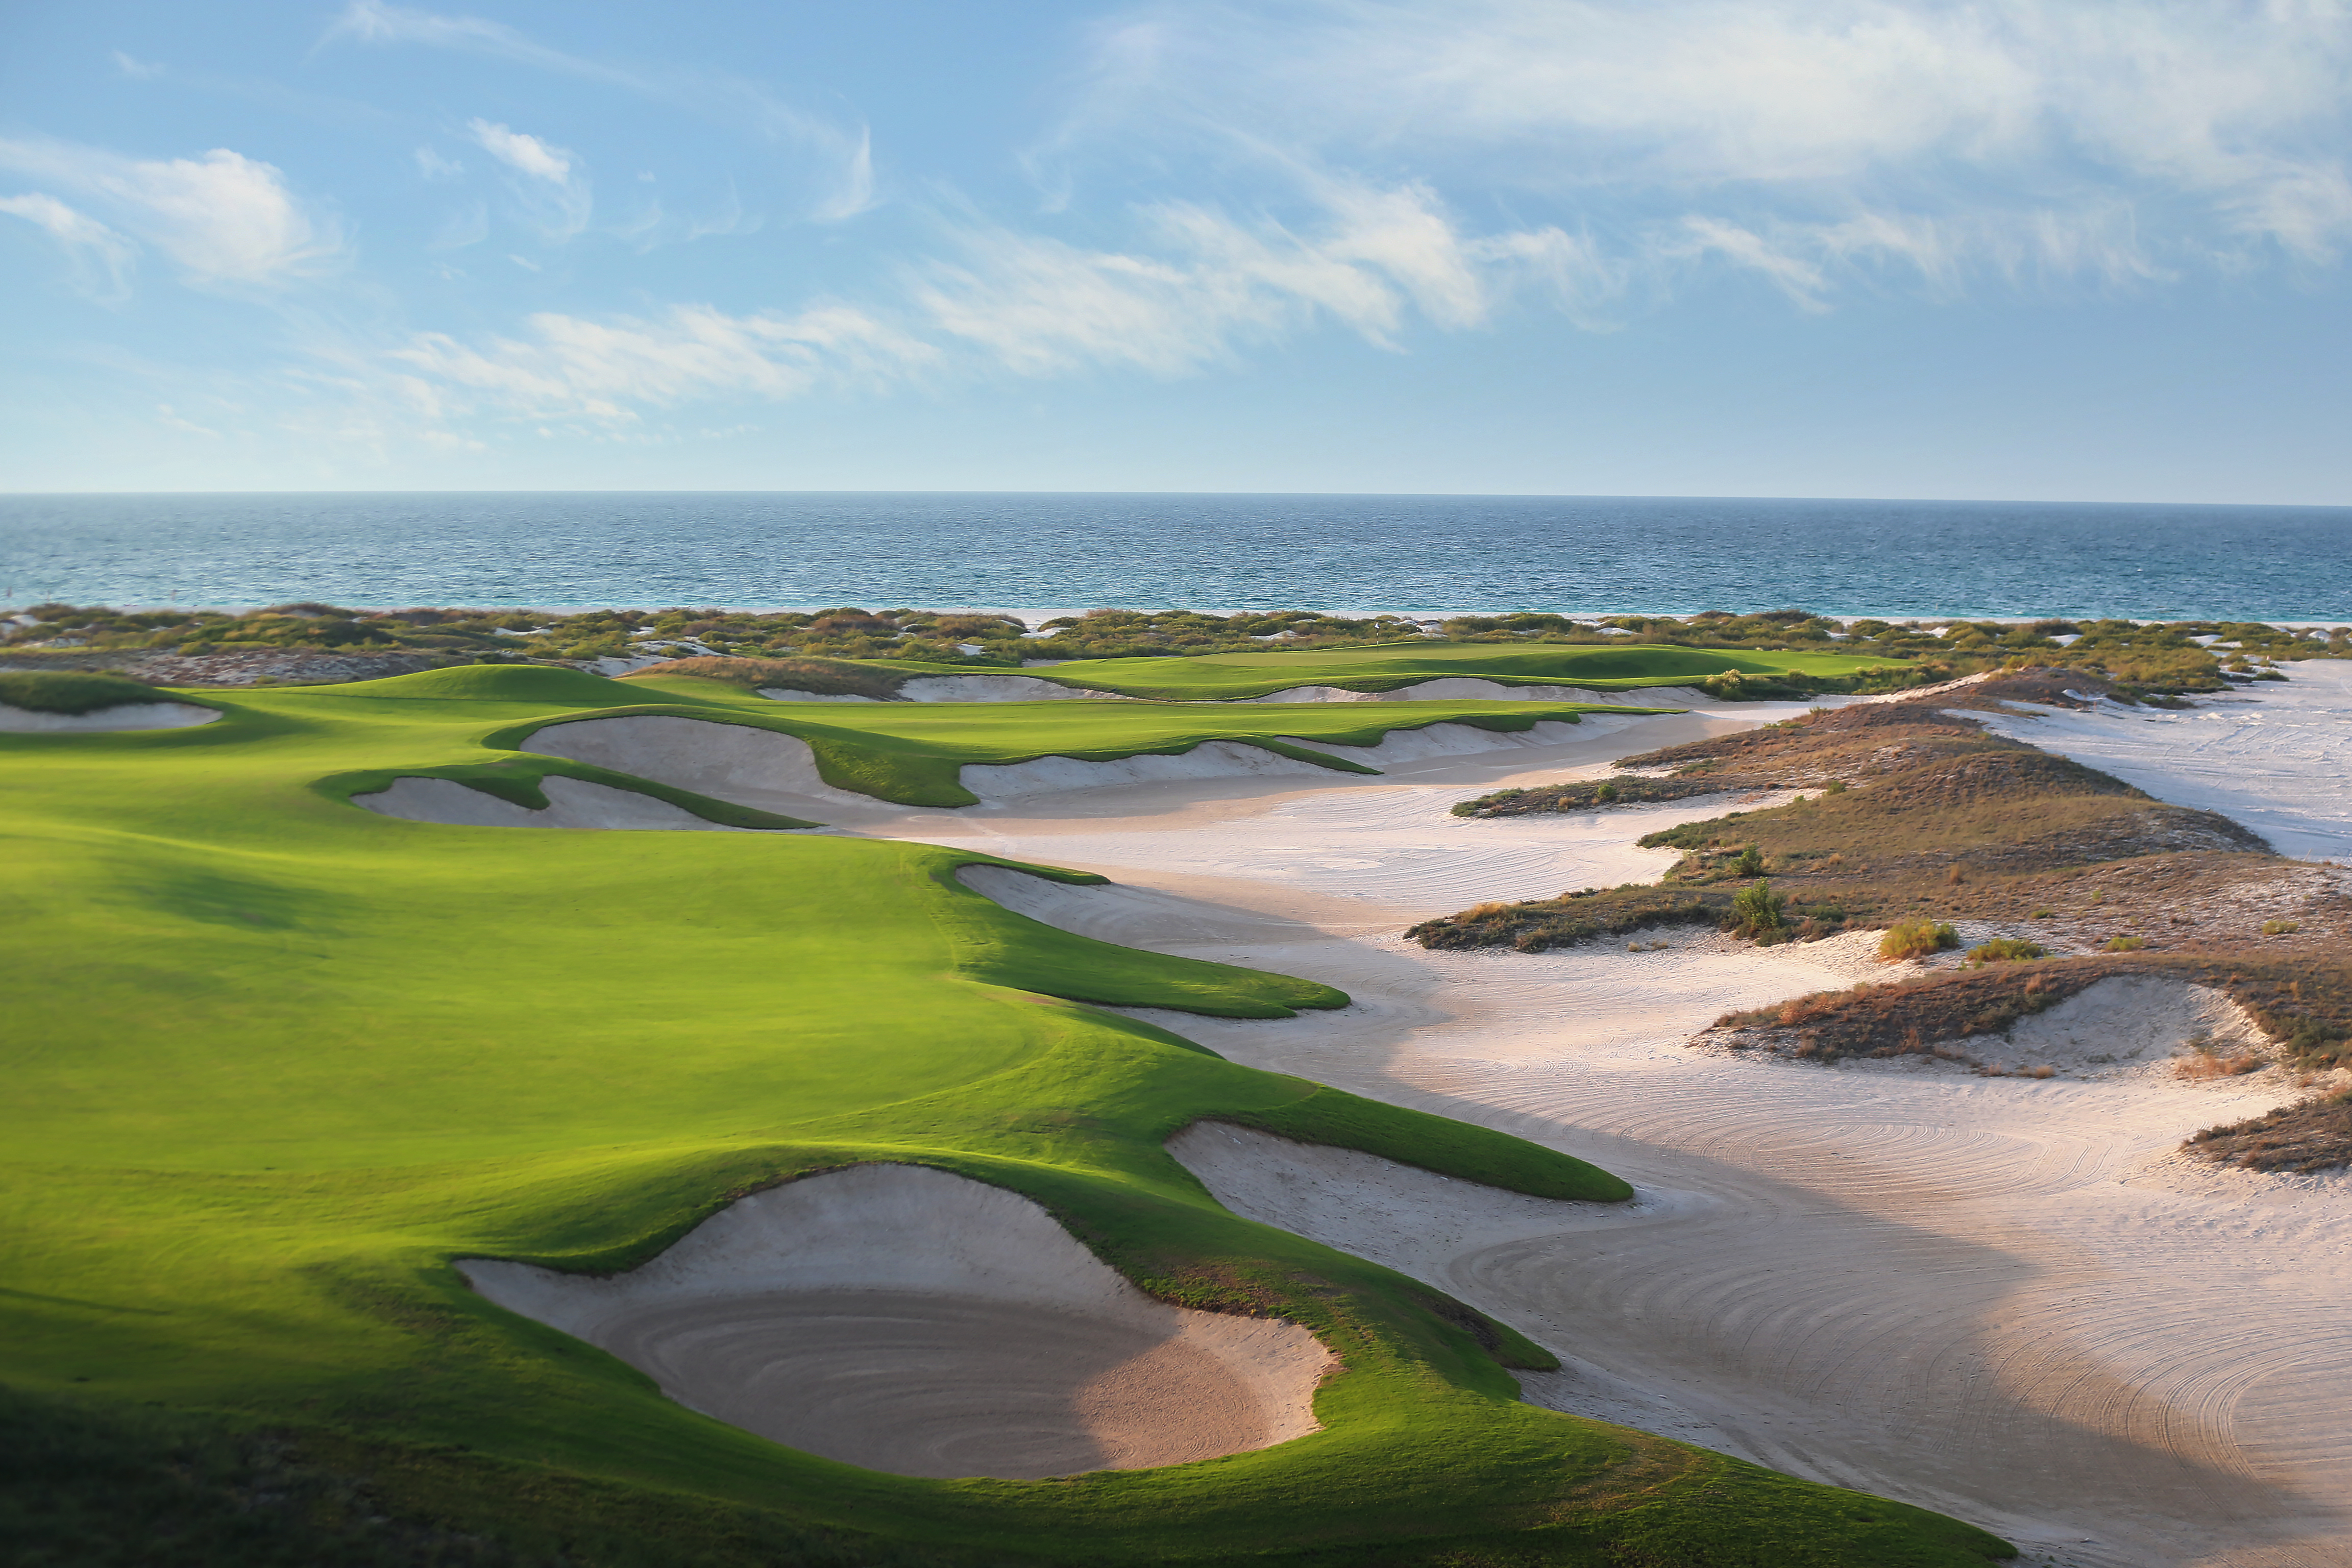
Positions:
{"x": 2280, "y": 927}
{"x": 2126, "y": 943}
{"x": 1758, "y": 909}
{"x": 2005, "y": 950}
{"x": 1916, "y": 938}
{"x": 1750, "y": 862}
{"x": 1836, "y": 786}
{"x": 1606, "y": 793}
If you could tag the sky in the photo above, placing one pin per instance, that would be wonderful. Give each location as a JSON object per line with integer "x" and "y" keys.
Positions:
{"x": 1840, "y": 247}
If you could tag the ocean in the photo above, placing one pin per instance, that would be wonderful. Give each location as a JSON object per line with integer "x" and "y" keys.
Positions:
{"x": 1577, "y": 554}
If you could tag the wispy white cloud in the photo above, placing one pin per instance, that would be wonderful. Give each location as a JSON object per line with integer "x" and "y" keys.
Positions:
{"x": 845, "y": 158}
{"x": 101, "y": 259}
{"x": 607, "y": 369}
{"x": 137, "y": 70}
{"x": 1204, "y": 283}
{"x": 555, "y": 192}
{"x": 1697, "y": 118}
{"x": 518, "y": 151}
{"x": 435, "y": 167}
{"x": 224, "y": 218}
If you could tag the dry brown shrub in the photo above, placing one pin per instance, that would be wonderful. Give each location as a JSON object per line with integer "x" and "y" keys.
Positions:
{"x": 2204, "y": 1065}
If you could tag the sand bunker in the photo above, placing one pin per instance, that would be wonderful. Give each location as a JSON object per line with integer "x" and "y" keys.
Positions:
{"x": 1236, "y": 759}
{"x": 778, "y": 773}
{"x": 123, "y": 716}
{"x": 996, "y": 689}
{"x": 728, "y": 761}
{"x": 571, "y": 803}
{"x": 786, "y": 694}
{"x": 1465, "y": 688}
{"x": 906, "y": 1320}
{"x": 2130, "y": 1024}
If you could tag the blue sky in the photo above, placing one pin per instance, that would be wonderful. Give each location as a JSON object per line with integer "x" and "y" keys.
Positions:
{"x": 2010, "y": 249}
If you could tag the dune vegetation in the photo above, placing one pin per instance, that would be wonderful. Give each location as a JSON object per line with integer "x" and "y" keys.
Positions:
{"x": 275, "y": 1063}
{"x": 1911, "y": 815}
{"x": 1778, "y": 650}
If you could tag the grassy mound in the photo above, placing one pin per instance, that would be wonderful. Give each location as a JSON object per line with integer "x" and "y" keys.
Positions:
{"x": 1918, "y": 813}
{"x": 74, "y": 692}
{"x": 275, "y": 1063}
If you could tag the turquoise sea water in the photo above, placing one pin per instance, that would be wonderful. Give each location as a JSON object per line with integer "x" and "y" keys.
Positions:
{"x": 1209, "y": 551}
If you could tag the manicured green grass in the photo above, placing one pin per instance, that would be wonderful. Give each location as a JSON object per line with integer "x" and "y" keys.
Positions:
{"x": 1229, "y": 676}
{"x": 274, "y": 1062}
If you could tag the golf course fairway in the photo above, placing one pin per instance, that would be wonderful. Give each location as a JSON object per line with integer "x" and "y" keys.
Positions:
{"x": 1231, "y": 677}
{"x": 276, "y": 1065}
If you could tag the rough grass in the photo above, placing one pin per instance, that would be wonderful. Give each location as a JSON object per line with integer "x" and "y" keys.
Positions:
{"x": 2302, "y": 1139}
{"x": 2304, "y": 1003}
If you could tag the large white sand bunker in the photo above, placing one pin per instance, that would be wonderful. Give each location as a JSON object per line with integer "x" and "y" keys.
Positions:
{"x": 910, "y": 1320}
{"x": 570, "y": 803}
{"x": 997, "y": 689}
{"x": 2272, "y": 756}
{"x": 121, "y": 716}
{"x": 2129, "y": 1024}
{"x": 728, "y": 761}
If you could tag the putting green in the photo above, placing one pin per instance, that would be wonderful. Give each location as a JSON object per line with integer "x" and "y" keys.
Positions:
{"x": 1232, "y": 676}
{"x": 274, "y": 1062}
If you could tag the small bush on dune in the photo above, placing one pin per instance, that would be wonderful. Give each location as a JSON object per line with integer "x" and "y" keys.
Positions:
{"x": 1916, "y": 938}
{"x": 1758, "y": 911}
{"x": 2126, "y": 943}
{"x": 2006, "y": 949}
{"x": 2280, "y": 927}
{"x": 1749, "y": 864}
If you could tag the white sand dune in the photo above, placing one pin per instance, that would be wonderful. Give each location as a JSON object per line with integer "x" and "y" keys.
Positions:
{"x": 2007, "y": 1299}
{"x": 2275, "y": 756}
{"x": 913, "y": 1320}
{"x": 16, "y": 720}
{"x": 570, "y": 803}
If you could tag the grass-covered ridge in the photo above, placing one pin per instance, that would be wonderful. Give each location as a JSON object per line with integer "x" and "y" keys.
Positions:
{"x": 274, "y": 1062}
